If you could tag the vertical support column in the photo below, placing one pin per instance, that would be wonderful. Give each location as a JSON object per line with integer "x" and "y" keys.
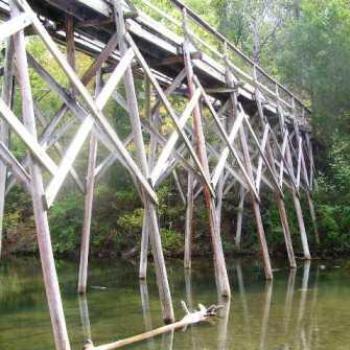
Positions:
{"x": 189, "y": 221}
{"x": 248, "y": 165}
{"x": 86, "y": 232}
{"x": 6, "y": 95}
{"x": 298, "y": 211}
{"x": 88, "y": 205}
{"x": 150, "y": 209}
{"x": 151, "y": 159}
{"x": 283, "y": 215}
{"x": 144, "y": 248}
{"x": 278, "y": 197}
{"x": 301, "y": 224}
{"x": 313, "y": 215}
{"x": 286, "y": 231}
{"x": 240, "y": 218}
{"x": 256, "y": 208}
{"x": 221, "y": 275}
{"x": 219, "y": 200}
{"x": 38, "y": 196}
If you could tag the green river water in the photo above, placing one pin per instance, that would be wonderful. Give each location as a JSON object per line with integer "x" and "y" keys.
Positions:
{"x": 308, "y": 309}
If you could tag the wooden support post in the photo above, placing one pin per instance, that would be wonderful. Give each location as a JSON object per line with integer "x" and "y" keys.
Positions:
{"x": 189, "y": 222}
{"x": 239, "y": 218}
{"x": 278, "y": 197}
{"x": 221, "y": 275}
{"x": 151, "y": 160}
{"x": 286, "y": 231}
{"x": 256, "y": 209}
{"x": 219, "y": 200}
{"x": 301, "y": 224}
{"x": 69, "y": 27}
{"x": 89, "y": 198}
{"x": 150, "y": 209}
{"x": 298, "y": 211}
{"x": 282, "y": 213}
{"x": 6, "y": 95}
{"x": 313, "y": 215}
{"x": 283, "y": 216}
{"x": 249, "y": 168}
{"x": 144, "y": 248}
{"x": 40, "y": 213}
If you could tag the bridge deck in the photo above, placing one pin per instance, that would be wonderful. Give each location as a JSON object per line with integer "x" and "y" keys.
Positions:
{"x": 161, "y": 46}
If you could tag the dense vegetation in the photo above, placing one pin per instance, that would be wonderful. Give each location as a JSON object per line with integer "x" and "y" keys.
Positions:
{"x": 303, "y": 43}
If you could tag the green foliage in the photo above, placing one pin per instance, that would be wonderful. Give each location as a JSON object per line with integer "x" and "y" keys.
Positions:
{"x": 66, "y": 222}
{"x": 172, "y": 241}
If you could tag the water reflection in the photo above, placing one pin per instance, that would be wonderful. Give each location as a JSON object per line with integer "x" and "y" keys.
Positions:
{"x": 85, "y": 318}
{"x": 289, "y": 300}
{"x": 223, "y": 324}
{"x": 266, "y": 314}
{"x": 304, "y": 309}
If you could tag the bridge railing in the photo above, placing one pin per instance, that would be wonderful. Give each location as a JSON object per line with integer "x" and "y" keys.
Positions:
{"x": 214, "y": 44}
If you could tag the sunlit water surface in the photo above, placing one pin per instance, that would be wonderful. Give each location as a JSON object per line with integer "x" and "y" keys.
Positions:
{"x": 309, "y": 309}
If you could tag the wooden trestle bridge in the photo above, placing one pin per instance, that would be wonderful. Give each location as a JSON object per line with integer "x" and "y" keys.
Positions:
{"x": 234, "y": 128}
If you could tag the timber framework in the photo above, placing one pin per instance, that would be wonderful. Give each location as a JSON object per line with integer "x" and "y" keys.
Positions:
{"x": 233, "y": 127}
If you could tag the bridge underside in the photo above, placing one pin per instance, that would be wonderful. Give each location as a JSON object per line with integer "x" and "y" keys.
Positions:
{"x": 205, "y": 112}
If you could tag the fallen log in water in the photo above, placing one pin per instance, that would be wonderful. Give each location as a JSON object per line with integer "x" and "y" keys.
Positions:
{"x": 202, "y": 315}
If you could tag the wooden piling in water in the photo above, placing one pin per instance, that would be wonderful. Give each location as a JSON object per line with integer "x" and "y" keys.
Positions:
{"x": 249, "y": 169}
{"x": 38, "y": 197}
{"x": 189, "y": 222}
{"x": 150, "y": 208}
{"x": 221, "y": 275}
{"x": 88, "y": 205}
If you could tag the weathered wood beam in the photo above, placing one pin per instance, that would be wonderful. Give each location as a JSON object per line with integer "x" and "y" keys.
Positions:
{"x": 178, "y": 186}
{"x": 7, "y": 96}
{"x": 229, "y": 145}
{"x": 299, "y": 212}
{"x": 172, "y": 140}
{"x": 221, "y": 276}
{"x": 239, "y": 219}
{"x": 88, "y": 205}
{"x": 151, "y": 159}
{"x": 85, "y": 128}
{"x": 189, "y": 222}
{"x": 55, "y": 143}
{"x": 40, "y": 212}
{"x": 29, "y": 140}
{"x": 260, "y": 162}
{"x": 313, "y": 216}
{"x": 98, "y": 115}
{"x": 14, "y": 25}
{"x": 150, "y": 208}
{"x": 261, "y": 151}
{"x": 256, "y": 209}
{"x": 16, "y": 167}
{"x": 46, "y": 140}
{"x": 170, "y": 110}
{"x": 177, "y": 59}
{"x": 277, "y": 193}
{"x": 230, "y": 81}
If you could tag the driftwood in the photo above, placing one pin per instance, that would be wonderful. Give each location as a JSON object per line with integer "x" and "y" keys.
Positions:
{"x": 202, "y": 315}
